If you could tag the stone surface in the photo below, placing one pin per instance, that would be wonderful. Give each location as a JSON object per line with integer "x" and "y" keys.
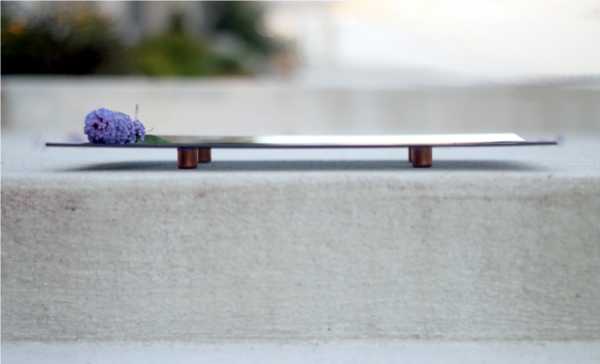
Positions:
{"x": 494, "y": 243}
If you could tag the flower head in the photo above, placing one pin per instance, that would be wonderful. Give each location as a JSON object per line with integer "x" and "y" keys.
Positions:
{"x": 104, "y": 126}
{"x": 139, "y": 130}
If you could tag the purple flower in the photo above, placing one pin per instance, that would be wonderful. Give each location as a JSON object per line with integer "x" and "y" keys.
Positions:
{"x": 139, "y": 130}
{"x": 104, "y": 126}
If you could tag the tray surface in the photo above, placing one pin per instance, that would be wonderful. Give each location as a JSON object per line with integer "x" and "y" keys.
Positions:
{"x": 325, "y": 141}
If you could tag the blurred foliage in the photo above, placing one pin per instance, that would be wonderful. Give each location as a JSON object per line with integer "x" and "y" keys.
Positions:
{"x": 66, "y": 43}
{"x": 243, "y": 20}
{"x": 174, "y": 53}
{"x": 83, "y": 42}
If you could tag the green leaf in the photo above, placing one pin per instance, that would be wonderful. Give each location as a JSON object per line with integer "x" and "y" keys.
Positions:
{"x": 154, "y": 139}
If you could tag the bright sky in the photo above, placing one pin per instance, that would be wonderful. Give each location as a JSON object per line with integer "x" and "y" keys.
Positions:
{"x": 511, "y": 38}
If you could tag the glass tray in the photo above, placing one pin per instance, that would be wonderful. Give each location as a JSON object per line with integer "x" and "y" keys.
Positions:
{"x": 192, "y": 150}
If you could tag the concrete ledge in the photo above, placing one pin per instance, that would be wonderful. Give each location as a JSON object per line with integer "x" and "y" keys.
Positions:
{"x": 365, "y": 250}
{"x": 263, "y": 106}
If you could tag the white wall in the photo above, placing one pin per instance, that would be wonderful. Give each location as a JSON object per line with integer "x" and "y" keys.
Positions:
{"x": 485, "y": 39}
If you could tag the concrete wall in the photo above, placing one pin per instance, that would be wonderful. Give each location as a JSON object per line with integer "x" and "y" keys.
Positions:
{"x": 489, "y": 244}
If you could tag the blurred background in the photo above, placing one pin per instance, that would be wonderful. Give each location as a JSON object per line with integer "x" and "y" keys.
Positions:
{"x": 402, "y": 66}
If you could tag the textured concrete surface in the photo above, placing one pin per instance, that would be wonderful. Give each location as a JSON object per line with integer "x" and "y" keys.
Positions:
{"x": 405, "y": 352}
{"x": 498, "y": 243}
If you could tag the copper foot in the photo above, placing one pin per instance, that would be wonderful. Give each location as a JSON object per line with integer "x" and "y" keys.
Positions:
{"x": 204, "y": 155}
{"x": 187, "y": 158}
{"x": 421, "y": 156}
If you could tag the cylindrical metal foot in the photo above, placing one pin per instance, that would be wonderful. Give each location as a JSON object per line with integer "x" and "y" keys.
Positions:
{"x": 204, "y": 155}
{"x": 187, "y": 158}
{"x": 421, "y": 156}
